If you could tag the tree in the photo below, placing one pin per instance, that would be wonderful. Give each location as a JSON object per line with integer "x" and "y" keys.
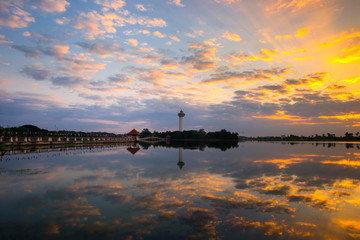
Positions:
{"x": 145, "y": 133}
{"x": 349, "y": 135}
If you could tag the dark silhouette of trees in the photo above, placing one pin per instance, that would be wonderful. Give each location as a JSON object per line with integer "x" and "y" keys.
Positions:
{"x": 324, "y": 137}
{"x": 145, "y": 133}
{"x": 192, "y": 135}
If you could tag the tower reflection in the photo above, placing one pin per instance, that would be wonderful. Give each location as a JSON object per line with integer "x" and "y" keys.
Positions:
{"x": 180, "y": 162}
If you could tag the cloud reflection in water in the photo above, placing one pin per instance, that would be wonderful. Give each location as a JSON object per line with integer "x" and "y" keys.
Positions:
{"x": 255, "y": 191}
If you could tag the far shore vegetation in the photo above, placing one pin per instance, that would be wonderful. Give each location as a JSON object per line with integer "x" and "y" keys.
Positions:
{"x": 191, "y": 135}
{"x": 31, "y": 130}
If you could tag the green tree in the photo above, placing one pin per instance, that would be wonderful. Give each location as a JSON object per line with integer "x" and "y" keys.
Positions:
{"x": 145, "y": 133}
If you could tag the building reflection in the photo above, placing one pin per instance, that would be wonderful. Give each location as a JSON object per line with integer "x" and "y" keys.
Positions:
{"x": 133, "y": 149}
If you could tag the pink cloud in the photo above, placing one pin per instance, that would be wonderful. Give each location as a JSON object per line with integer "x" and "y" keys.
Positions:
{"x": 53, "y": 5}
{"x": 11, "y": 15}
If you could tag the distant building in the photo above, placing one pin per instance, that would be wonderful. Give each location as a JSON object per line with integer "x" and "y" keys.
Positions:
{"x": 181, "y": 115}
{"x": 133, "y": 134}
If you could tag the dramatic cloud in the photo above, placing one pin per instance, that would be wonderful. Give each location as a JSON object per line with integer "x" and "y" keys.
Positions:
{"x": 289, "y": 63}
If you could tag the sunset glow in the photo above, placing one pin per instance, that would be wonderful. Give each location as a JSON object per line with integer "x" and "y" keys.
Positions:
{"x": 256, "y": 67}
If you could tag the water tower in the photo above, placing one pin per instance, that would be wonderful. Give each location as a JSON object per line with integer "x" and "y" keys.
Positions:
{"x": 181, "y": 114}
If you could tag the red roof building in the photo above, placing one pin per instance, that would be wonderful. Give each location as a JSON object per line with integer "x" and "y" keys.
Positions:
{"x": 133, "y": 133}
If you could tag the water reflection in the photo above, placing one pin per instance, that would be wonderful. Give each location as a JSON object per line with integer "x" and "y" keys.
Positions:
{"x": 180, "y": 162}
{"x": 255, "y": 191}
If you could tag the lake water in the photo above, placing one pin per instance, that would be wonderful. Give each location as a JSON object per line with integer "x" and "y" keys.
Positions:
{"x": 257, "y": 190}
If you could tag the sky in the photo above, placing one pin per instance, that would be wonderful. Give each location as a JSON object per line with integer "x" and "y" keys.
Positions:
{"x": 256, "y": 67}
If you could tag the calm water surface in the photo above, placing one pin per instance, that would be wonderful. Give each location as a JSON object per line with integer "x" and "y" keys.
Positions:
{"x": 253, "y": 191}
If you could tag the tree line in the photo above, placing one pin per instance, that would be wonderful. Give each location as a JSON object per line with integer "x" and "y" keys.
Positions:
{"x": 324, "y": 137}
{"x": 31, "y": 130}
{"x": 191, "y": 135}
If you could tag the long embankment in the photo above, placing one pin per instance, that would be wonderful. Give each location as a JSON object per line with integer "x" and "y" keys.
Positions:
{"x": 39, "y": 141}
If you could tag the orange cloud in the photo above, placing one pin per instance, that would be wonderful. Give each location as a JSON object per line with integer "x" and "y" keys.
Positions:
{"x": 344, "y": 162}
{"x": 159, "y": 34}
{"x": 350, "y": 53}
{"x": 131, "y": 42}
{"x": 302, "y": 32}
{"x": 352, "y": 226}
{"x": 231, "y": 36}
{"x": 267, "y": 55}
{"x": 276, "y": 6}
{"x": 343, "y": 117}
{"x": 299, "y": 33}
{"x": 282, "y": 163}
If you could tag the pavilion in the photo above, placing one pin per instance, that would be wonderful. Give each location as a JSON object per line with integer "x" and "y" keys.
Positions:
{"x": 134, "y": 134}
